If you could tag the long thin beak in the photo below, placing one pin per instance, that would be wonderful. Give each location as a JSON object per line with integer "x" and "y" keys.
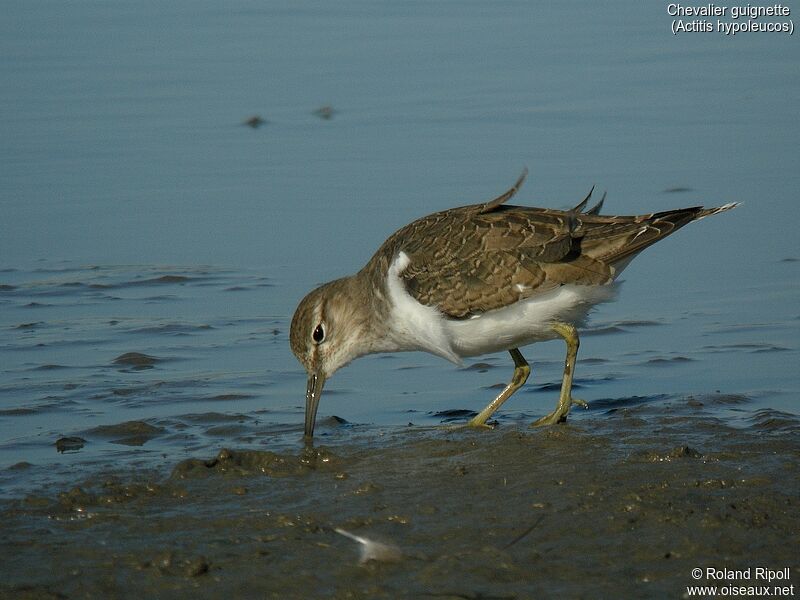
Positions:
{"x": 313, "y": 392}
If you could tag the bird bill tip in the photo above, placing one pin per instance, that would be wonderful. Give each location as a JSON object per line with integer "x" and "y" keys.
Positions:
{"x": 313, "y": 392}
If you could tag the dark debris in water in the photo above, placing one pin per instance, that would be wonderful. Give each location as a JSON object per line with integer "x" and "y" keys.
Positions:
{"x": 325, "y": 112}
{"x": 454, "y": 414}
{"x": 18, "y": 412}
{"x": 215, "y": 417}
{"x": 480, "y": 367}
{"x": 20, "y": 466}
{"x": 610, "y": 330}
{"x": 552, "y": 386}
{"x": 754, "y": 347}
{"x": 229, "y": 397}
{"x": 594, "y": 361}
{"x": 667, "y": 362}
{"x": 126, "y": 428}
{"x": 618, "y": 327}
{"x": 129, "y": 433}
{"x": 163, "y": 279}
{"x": 49, "y": 367}
{"x": 136, "y": 360}
{"x": 614, "y": 404}
{"x": 69, "y": 444}
{"x": 254, "y": 122}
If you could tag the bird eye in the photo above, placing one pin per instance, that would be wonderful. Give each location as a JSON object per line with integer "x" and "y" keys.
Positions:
{"x": 319, "y": 334}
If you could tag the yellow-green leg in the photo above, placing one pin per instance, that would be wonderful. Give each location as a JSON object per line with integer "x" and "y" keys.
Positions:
{"x": 521, "y": 371}
{"x": 565, "y": 399}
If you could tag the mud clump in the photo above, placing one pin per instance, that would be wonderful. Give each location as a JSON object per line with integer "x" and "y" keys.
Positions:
{"x": 245, "y": 463}
{"x": 677, "y": 453}
{"x": 175, "y": 564}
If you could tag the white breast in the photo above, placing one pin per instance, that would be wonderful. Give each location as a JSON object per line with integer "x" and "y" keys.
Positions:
{"x": 414, "y": 326}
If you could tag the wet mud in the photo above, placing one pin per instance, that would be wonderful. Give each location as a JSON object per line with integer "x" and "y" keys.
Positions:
{"x": 622, "y": 503}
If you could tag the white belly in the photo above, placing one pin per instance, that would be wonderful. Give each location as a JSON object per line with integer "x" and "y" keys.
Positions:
{"x": 526, "y": 321}
{"x": 415, "y": 326}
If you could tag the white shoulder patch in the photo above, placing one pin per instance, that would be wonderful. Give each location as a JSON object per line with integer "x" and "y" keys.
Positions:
{"x": 415, "y": 326}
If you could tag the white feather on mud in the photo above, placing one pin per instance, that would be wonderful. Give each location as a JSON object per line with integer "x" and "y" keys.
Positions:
{"x": 372, "y": 550}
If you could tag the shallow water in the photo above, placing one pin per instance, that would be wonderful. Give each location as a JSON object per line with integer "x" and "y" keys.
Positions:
{"x": 624, "y": 504}
{"x": 153, "y": 248}
{"x": 193, "y": 354}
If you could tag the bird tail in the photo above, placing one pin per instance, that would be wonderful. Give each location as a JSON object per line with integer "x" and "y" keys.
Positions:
{"x": 707, "y": 212}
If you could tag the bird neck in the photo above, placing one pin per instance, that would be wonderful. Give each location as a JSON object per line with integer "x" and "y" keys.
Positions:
{"x": 358, "y": 304}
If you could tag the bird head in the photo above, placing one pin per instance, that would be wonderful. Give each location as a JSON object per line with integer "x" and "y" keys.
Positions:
{"x": 326, "y": 334}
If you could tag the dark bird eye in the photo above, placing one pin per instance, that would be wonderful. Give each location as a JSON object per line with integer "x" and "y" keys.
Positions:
{"x": 318, "y": 335}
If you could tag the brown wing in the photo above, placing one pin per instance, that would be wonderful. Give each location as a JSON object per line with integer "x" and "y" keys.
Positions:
{"x": 466, "y": 262}
{"x": 469, "y": 260}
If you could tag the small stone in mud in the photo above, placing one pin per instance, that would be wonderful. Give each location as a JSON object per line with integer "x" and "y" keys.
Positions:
{"x": 169, "y": 564}
{"x": 136, "y": 359}
{"x": 684, "y": 452}
{"x": 69, "y": 444}
{"x": 76, "y": 499}
{"x": 676, "y": 453}
{"x": 367, "y": 488}
{"x": 195, "y": 566}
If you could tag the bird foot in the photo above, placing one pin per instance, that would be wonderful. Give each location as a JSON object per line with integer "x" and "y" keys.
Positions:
{"x": 471, "y": 424}
{"x": 559, "y": 415}
{"x": 581, "y": 403}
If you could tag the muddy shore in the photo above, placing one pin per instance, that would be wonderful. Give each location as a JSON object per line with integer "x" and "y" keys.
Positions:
{"x": 624, "y": 503}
